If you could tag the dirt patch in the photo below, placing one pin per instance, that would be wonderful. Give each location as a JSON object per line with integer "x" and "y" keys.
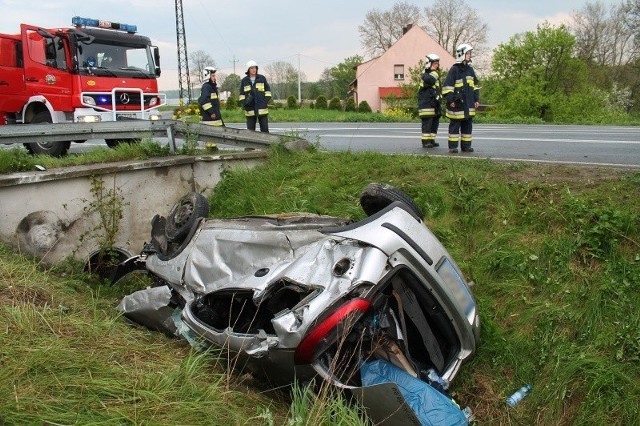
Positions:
{"x": 584, "y": 175}
{"x": 24, "y": 296}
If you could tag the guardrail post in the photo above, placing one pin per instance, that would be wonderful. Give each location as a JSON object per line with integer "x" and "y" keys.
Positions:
{"x": 172, "y": 138}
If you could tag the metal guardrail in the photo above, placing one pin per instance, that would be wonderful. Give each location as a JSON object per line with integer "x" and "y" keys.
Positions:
{"x": 137, "y": 129}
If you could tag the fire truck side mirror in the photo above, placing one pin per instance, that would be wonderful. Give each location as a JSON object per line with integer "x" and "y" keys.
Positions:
{"x": 156, "y": 58}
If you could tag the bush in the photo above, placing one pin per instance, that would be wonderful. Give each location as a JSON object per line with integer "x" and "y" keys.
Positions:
{"x": 292, "y": 103}
{"x": 187, "y": 110}
{"x": 364, "y": 107}
{"x": 350, "y": 105}
{"x": 335, "y": 104}
{"x": 321, "y": 102}
{"x": 232, "y": 102}
{"x": 398, "y": 113}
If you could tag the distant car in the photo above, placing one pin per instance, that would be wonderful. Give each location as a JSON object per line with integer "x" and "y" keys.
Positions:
{"x": 297, "y": 296}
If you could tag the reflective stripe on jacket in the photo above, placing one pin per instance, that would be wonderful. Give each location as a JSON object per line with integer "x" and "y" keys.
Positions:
{"x": 210, "y": 103}
{"x": 461, "y": 87}
{"x": 255, "y": 97}
{"x": 429, "y": 99}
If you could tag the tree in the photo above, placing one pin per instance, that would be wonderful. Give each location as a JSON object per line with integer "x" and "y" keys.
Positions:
{"x": 325, "y": 83}
{"x": 633, "y": 19}
{"x": 198, "y": 60}
{"x": 381, "y": 30}
{"x": 452, "y": 22}
{"x": 604, "y": 36}
{"x": 537, "y": 76}
{"x": 283, "y": 78}
{"x": 231, "y": 84}
{"x": 342, "y": 75}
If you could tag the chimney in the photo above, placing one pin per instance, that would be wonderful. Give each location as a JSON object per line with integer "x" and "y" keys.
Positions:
{"x": 406, "y": 28}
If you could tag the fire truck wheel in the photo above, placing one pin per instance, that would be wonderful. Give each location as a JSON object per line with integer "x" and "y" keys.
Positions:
{"x": 112, "y": 143}
{"x": 55, "y": 149}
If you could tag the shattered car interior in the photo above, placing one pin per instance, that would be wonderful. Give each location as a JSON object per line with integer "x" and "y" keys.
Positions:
{"x": 299, "y": 296}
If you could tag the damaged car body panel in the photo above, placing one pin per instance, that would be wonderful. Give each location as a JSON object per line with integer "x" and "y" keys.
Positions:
{"x": 298, "y": 296}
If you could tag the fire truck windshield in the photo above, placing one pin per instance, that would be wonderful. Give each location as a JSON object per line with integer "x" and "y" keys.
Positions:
{"x": 116, "y": 60}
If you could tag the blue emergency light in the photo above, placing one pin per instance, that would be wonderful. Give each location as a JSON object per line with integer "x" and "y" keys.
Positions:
{"x": 86, "y": 22}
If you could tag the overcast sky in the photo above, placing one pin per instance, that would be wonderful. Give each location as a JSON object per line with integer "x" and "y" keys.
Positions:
{"x": 314, "y": 34}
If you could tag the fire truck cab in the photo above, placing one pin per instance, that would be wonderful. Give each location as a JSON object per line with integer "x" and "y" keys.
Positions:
{"x": 94, "y": 71}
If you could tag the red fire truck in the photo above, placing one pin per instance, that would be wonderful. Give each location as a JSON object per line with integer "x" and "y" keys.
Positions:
{"x": 91, "y": 72}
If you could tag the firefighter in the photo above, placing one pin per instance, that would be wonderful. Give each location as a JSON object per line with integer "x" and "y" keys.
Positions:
{"x": 462, "y": 97}
{"x": 429, "y": 101}
{"x": 209, "y": 100}
{"x": 255, "y": 94}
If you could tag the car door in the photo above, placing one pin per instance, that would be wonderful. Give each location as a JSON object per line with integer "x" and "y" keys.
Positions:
{"x": 46, "y": 63}
{"x": 12, "y": 95}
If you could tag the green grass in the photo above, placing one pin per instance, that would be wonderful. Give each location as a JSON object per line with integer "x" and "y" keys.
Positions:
{"x": 280, "y": 115}
{"x": 554, "y": 252}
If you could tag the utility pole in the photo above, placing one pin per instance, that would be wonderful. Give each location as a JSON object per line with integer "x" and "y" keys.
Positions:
{"x": 184, "y": 82}
{"x": 234, "y": 60}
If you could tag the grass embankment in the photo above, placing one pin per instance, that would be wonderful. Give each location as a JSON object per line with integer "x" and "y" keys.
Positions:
{"x": 554, "y": 252}
{"x": 308, "y": 115}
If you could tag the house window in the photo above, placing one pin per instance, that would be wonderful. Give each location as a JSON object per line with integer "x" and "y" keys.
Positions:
{"x": 398, "y": 72}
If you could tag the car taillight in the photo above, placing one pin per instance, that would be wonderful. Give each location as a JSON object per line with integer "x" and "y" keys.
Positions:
{"x": 305, "y": 350}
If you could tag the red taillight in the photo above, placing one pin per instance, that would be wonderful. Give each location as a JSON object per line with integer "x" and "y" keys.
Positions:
{"x": 304, "y": 352}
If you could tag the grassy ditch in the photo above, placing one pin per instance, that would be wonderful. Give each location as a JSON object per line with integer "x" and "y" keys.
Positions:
{"x": 554, "y": 252}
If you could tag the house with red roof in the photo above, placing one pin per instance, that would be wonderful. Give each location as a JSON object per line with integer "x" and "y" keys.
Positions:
{"x": 382, "y": 76}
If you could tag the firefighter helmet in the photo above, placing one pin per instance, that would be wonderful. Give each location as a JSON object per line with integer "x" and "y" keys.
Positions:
{"x": 251, "y": 64}
{"x": 431, "y": 58}
{"x": 461, "y": 51}
{"x": 208, "y": 71}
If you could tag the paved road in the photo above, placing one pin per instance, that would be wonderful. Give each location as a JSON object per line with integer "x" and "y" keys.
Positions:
{"x": 592, "y": 145}
{"x": 589, "y": 145}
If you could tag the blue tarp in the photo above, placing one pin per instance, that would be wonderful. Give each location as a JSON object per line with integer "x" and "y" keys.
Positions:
{"x": 430, "y": 406}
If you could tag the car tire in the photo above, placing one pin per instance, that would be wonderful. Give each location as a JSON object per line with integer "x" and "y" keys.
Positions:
{"x": 112, "y": 143}
{"x": 54, "y": 149}
{"x": 376, "y": 196}
{"x": 184, "y": 214}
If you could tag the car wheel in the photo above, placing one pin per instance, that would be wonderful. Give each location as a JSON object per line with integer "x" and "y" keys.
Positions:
{"x": 184, "y": 214}
{"x": 55, "y": 149}
{"x": 377, "y": 196}
{"x": 112, "y": 143}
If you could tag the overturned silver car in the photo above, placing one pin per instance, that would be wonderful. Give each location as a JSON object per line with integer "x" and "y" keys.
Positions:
{"x": 297, "y": 296}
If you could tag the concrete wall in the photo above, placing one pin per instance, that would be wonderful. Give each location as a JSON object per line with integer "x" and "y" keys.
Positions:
{"x": 48, "y": 214}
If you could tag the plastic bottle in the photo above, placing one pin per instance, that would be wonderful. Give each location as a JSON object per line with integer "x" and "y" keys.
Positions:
{"x": 518, "y": 395}
{"x": 436, "y": 380}
{"x": 468, "y": 414}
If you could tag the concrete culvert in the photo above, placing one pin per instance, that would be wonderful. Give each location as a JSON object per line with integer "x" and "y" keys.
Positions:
{"x": 104, "y": 262}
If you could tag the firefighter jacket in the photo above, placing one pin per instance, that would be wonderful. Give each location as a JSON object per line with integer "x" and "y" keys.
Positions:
{"x": 429, "y": 98}
{"x": 461, "y": 88}
{"x": 210, "y": 104}
{"x": 255, "y": 96}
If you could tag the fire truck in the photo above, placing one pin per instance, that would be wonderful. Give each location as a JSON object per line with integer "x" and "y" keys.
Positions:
{"x": 91, "y": 72}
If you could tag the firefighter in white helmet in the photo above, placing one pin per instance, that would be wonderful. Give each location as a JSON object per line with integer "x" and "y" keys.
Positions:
{"x": 429, "y": 101}
{"x": 255, "y": 94}
{"x": 209, "y": 100}
{"x": 462, "y": 98}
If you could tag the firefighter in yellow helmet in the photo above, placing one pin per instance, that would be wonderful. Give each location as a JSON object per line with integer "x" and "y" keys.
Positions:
{"x": 209, "y": 100}
{"x": 429, "y": 101}
{"x": 462, "y": 97}
{"x": 255, "y": 94}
